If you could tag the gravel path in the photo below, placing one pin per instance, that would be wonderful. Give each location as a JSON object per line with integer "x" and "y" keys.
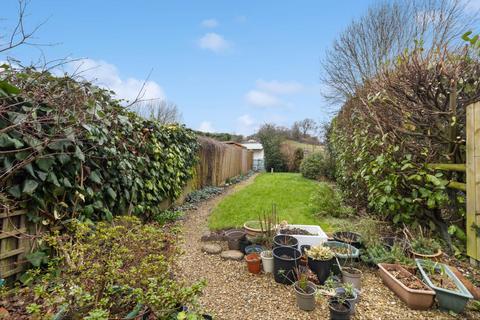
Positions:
{"x": 233, "y": 293}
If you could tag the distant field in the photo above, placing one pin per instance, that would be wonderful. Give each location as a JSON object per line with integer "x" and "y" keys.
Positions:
{"x": 305, "y": 146}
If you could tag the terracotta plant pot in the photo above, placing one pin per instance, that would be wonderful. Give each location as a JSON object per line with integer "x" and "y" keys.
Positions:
{"x": 252, "y": 228}
{"x": 306, "y": 298}
{"x": 253, "y": 263}
{"x": 267, "y": 261}
{"x": 418, "y": 299}
{"x": 353, "y": 276}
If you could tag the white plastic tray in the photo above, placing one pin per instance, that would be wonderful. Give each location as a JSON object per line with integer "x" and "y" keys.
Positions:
{"x": 315, "y": 240}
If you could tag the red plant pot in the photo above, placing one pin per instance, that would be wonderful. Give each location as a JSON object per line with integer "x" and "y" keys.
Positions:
{"x": 253, "y": 262}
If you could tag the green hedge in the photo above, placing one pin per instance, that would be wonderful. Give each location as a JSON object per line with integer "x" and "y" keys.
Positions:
{"x": 69, "y": 150}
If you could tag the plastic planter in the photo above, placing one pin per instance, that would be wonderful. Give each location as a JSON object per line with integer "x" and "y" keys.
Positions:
{"x": 447, "y": 299}
{"x": 284, "y": 240}
{"x": 318, "y": 236}
{"x": 352, "y": 238}
{"x": 342, "y": 259}
{"x": 234, "y": 237}
{"x": 267, "y": 261}
{"x": 340, "y": 292}
{"x": 339, "y": 310}
{"x": 353, "y": 276}
{"x": 306, "y": 298}
{"x": 418, "y": 299}
{"x": 321, "y": 268}
{"x": 254, "y": 248}
{"x": 285, "y": 260}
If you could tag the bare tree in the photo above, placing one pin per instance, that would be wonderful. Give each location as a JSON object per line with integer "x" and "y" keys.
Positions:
{"x": 18, "y": 35}
{"x": 383, "y": 33}
{"x": 307, "y": 127}
{"x": 163, "y": 111}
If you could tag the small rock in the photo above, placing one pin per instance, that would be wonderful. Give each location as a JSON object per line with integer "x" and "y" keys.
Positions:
{"x": 212, "y": 248}
{"x": 4, "y": 314}
{"x": 232, "y": 255}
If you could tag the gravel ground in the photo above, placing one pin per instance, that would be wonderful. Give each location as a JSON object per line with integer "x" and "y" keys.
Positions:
{"x": 233, "y": 293}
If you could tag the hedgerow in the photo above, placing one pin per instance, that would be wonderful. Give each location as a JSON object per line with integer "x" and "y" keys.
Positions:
{"x": 412, "y": 113}
{"x": 69, "y": 150}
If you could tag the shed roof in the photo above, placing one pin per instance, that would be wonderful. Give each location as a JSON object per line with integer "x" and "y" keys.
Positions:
{"x": 253, "y": 145}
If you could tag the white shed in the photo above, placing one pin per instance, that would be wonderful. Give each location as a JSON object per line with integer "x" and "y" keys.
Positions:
{"x": 258, "y": 155}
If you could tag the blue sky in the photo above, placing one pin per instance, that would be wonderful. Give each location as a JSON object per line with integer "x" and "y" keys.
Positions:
{"x": 229, "y": 65}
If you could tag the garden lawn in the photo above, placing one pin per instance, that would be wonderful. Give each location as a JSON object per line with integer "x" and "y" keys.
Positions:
{"x": 289, "y": 191}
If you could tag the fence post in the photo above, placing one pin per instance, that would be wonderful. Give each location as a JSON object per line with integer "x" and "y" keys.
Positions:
{"x": 473, "y": 181}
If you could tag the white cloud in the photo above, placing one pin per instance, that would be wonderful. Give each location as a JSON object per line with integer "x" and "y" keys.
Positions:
{"x": 246, "y": 124}
{"x": 278, "y": 87}
{"x": 209, "y": 23}
{"x": 108, "y": 76}
{"x": 262, "y": 99}
{"x": 214, "y": 42}
{"x": 206, "y": 126}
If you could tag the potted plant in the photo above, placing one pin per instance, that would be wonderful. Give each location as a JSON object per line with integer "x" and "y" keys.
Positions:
{"x": 351, "y": 238}
{"x": 305, "y": 292}
{"x": 352, "y": 275}
{"x": 451, "y": 293}
{"x": 406, "y": 286}
{"x": 285, "y": 261}
{"x": 343, "y": 251}
{"x": 283, "y": 240}
{"x": 340, "y": 308}
{"x": 425, "y": 248}
{"x": 267, "y": 261}
{"x": 349, "y": 293}
{"x": 320, "y": 261}
{"x": 253, "y": 262}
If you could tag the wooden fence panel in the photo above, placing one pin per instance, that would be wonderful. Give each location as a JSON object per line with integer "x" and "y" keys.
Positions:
{"x": 14, "y": 243}
{"x": 473, "y": 179}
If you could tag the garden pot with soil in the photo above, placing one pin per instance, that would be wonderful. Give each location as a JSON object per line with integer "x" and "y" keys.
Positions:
{"x": 349, "y": 294}
{"x": 283, "y": 240}
{"x": 253, "y": 262}
{"x": 285, "y": 261}
{"x": 254, "y": 248}
{"x": 305, "y": 294}
{"x": 254, "y": 228}
{"x": 320, "y": 261}
{"x": 406, "y": 286}
{"x": 234, "y": 237}
{"x": 305, "y": 234}
{"x": 340, "y": 309}
{"x": 348, "y": 237}
{"x": 353, "y": 276}
{"x": 425, "y": 248}
{"x": 267, "y": 261}
{"x": 451, "y": 293}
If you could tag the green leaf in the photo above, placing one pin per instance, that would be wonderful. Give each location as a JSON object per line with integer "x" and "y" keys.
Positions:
{"x": 79, "y": 154}
{"x": 111, "y": 193}
{"x": 29, "y": 186}
{"x": 37, "y": 258}
{"x": 95, "y": 177}
{"x": 45, "y": 163}
{"x": 15, "y": 191}
{"x": 52, "y": 177}
{"x": 7, "y": 89}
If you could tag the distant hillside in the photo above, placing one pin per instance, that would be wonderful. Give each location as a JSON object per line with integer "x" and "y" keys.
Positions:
{"x": 307, "y": 148}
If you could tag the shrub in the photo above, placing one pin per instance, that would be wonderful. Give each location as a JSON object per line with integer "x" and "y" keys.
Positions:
{"x": 315, "y": 166}
{"x": 107, "y": 271}
{"x": 69, "y": 150}
{"x": 326, "y": 201}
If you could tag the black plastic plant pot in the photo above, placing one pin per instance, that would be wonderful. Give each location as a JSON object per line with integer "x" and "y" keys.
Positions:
{"x": 339, "y": 310}
{"x": 244, "y": 243}
{"x": 284, "y": 240}
{"x": 321, "y": 268}
{"x": 349, "y": 237}
{"x": 285, "y": 260}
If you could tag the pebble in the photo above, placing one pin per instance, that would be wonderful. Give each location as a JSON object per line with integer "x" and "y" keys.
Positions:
{"x": 212, "y": 248}
{"x": 232, "y": 255}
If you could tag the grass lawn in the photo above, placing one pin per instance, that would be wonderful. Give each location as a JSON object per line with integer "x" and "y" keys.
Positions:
{"x": 289, "y": 191}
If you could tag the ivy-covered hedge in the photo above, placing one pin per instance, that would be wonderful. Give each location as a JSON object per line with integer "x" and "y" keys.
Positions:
{"x": 409, "y": 115}
{"x": 69, "y": 150}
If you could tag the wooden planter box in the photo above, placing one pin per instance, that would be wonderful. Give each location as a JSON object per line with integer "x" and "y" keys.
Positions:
{"x": 413, "y": 298}
{"x": 447, "y": 299}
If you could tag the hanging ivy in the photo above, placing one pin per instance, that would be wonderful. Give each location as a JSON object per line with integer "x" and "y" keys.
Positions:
{"x": 69, "y": 150}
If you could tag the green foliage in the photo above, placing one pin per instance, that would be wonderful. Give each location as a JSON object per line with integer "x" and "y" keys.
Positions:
{"x": 109, "y": 270}
{"x": 315, "y": 166}
{"x": 71, "y": 151}
{"x": 327, "y": 202}
{"x": 378, "y": 253}
{"x": 167, "y": 216}
{"x": 372, "y": 171}
{"x": 271, "y": 139}
{"x": 425, "y": 245}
